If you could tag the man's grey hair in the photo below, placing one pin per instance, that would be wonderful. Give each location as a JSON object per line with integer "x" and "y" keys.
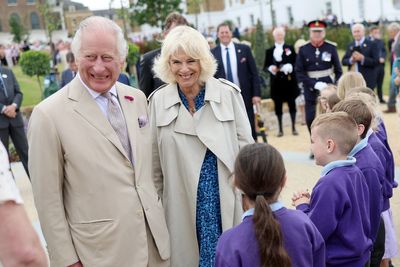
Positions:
{"x": 394, "y": 26}
{"x": 97, "y": 22}
{"x": 358, "y": 25}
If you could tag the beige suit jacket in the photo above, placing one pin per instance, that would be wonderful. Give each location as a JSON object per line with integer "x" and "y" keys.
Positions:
{"x": 92, "y": 202}
{"x": 180, "y": 141}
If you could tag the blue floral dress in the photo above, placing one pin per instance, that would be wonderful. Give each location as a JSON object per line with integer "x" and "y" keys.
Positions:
{"x": 208, "y": 211}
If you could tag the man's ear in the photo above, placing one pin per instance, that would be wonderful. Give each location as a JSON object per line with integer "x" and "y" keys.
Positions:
{"x": 121, "y": 64}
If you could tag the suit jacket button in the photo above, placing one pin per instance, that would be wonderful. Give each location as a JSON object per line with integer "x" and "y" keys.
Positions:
{"x": 139, "y": 213}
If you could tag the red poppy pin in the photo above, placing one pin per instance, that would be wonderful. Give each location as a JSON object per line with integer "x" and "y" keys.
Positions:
{"x": 129, "y": 97}
{"x": 287, "y": 51}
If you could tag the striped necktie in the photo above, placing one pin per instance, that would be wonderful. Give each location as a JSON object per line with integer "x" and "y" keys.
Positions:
{"x": 117, "y": 121}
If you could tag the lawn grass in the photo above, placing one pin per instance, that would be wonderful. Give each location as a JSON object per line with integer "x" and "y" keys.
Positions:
{"x": 29, "y": 87}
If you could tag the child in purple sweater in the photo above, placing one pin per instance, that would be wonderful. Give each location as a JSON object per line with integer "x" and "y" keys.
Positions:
{"x": 270, "y": 234}
{"x": 339, "y": 203}
{"x": 372, "y": 168}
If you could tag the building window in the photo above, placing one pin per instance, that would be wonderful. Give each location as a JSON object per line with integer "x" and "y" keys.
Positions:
{"x": 328, "y": 8}
{"x": 361, "y": 8}
{"x": 30, "y": 2}
{"x": 35, "y": 23}
{"x": 239, "y": 23}
{"x": 290, "y": 15}
{"x": 252, "y": 20}
{"x": 12, "y": 2}
{"x": 396, "y": 4}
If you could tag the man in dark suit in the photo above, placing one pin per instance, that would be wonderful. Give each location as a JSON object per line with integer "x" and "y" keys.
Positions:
{"x": 3, "y": 60}
{"x": 375, "y": 36}
{"x": 68, "y": 74}
{"x": 362, "y": 55}
{"x": 236, "y": 64}
{"x": 147, "y": 82}
{"x": 11, "y": 122}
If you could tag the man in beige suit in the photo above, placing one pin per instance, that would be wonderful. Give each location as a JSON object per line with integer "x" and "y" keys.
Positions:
{"x": 90, "y": 162}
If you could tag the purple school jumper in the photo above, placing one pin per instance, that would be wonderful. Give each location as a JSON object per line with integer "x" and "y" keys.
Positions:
{"x": 238, "y": 247}
{"x": 374, "y": 174}
{"x": 387, "y": 161}
{"x": 382, "y": 136}
{"x": 339, "y": 208}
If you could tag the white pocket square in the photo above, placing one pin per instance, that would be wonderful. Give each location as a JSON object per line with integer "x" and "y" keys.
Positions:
{"x": 142, "y": 120}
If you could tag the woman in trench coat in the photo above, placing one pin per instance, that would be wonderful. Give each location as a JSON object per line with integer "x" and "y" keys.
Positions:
{"x": 198, "y": 124}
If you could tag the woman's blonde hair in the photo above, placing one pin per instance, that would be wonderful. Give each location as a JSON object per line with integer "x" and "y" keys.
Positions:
{"x": 193, "y": 44}
{"x": 349, "y": 80}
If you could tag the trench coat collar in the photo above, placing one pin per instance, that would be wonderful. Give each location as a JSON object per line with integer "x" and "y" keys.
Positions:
{"x": 171, "y": 97}
{"x": 196, "y": 126}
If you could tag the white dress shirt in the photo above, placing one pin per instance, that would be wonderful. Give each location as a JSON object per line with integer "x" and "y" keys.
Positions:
{"x": 278, "y": 51}
{"x": 233, "y": 60}
{"x": 102, "y": 101}
{"x": 8, "y": 188}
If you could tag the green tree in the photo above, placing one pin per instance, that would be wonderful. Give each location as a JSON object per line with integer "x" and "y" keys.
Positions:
{"x": 132, "y": 57}
{"x": 16, "y": 28}
{"x": 153, "y": 12}
{"x": 194, "y": 6}
{"x": 260, "y": 45}
{"x": 35, "y": 63}
{"x": 52, "y": 20}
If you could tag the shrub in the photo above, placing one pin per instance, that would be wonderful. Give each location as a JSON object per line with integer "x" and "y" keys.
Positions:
{"x": 35, "y": 63}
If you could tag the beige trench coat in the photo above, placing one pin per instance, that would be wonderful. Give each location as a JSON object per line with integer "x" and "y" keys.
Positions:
{"x": 180, "y": 141}
{"x": 93, "y": 205}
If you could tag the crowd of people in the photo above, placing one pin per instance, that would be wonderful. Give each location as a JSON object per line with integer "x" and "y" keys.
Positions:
{"x": 170, "y": 175}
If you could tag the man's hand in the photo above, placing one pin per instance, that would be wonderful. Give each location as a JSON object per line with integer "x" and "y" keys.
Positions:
{"x": 10, "y": 111}
{"x": 256, "y": 100}
{"x": 76, "y": 264}
{"x": 357, "y": 56}
{"x": 397, "y": 81}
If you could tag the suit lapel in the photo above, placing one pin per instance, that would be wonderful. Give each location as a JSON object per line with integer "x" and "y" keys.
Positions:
{"x": 218, "y": 57}
{"x": 238, "y": 56}
{"x": 87, "y": 107}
